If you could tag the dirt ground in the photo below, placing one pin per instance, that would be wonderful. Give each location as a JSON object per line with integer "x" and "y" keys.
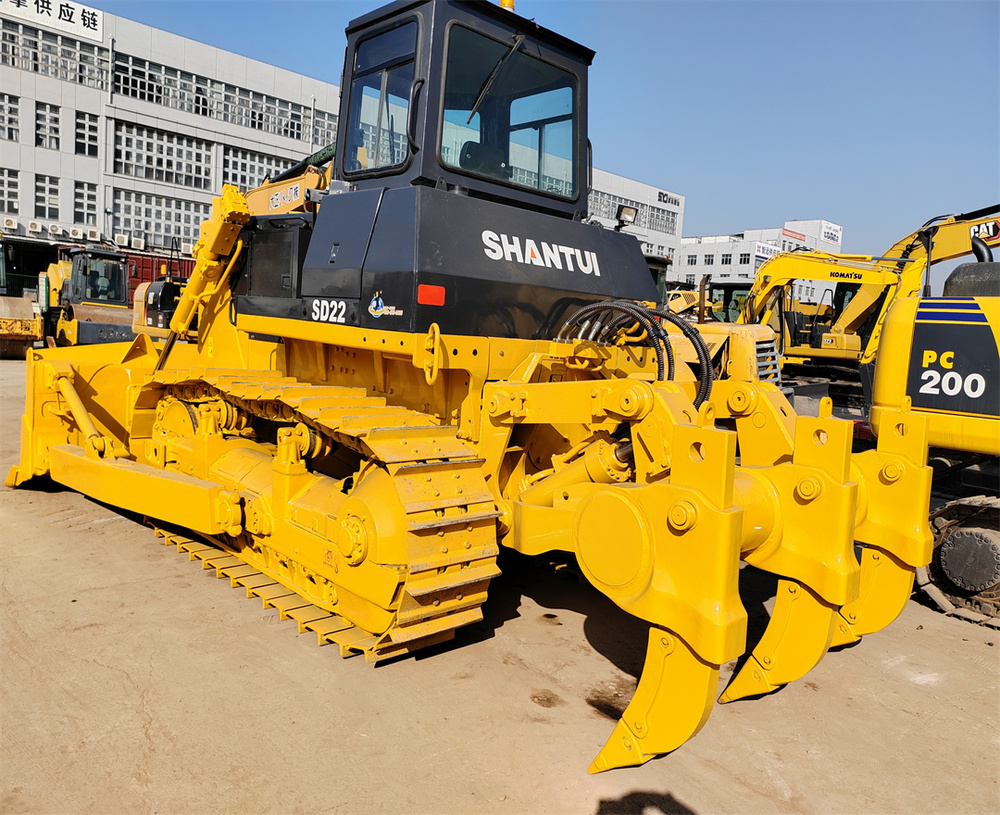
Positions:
{"x": 131, "y": 681}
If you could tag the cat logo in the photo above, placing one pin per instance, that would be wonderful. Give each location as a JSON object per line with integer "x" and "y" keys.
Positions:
{"x": 987, "y": 233}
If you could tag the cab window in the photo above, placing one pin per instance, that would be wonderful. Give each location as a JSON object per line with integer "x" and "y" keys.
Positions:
{"x": 379, "y": 102}
{"x": 100, "y": 279}
{"x": 508, "y": 116}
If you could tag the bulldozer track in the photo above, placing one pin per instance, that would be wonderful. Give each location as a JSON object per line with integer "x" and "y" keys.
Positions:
{"x": 450, "y": 512}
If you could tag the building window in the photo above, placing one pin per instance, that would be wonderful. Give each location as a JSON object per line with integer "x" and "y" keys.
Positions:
{"x": 192, "y": 93}
{"x": 156, "y": 155}
{"x": 157, "y": 219}
{"x": 246, "y": 169}
{"x": 709, "y": 260}
{"x": 86, "y": 134}
{"x": 744, "y": 258}
{"x": 85, "y": 203}
{"x": 727, "y": 260}
{"x": 690, "y": 279}
{"x": 692, "y": 260}
{"x": 324, "y": 128}
{"x": 8, "y": 191}
{"x": 46, "y": 125}
{"x": 47, "y": 197}
{"x": 54, "y": 55}
{"x": 9, "y": 118}
{"x": 656, "y": 219}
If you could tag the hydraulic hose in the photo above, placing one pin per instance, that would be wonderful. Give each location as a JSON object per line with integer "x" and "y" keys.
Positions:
{"x": 621, "y": 312}
{"x": 706, "y": 374}
{"x": 601, "y": 322}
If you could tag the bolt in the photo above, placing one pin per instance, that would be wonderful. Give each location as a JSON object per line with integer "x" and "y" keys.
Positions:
{"x": 765, "y": 660}
{"x": 468, "y": 545}
{"x": 444, "y": 550}
{"x": 629, "y": 401}
{"x": 809, "y": 488}
{"x": 892, "y": 472}
{"x": 739, "y": 401}
{"x": 682, "y": 516}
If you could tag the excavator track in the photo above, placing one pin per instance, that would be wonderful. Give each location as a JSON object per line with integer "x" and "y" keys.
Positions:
{"x": 980, "y": 607}
{"x": 437, "y": 478}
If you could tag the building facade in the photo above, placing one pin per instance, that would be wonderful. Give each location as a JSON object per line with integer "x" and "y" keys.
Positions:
{"x": 108, "y": 126}
{"x": 111, "y": 126}
{"x": 659, "y": 221}
{"x": 730, "y": 258}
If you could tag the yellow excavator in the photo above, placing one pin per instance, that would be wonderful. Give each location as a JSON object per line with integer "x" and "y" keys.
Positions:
{"x": 939, "y": 354}
{"x": 444, "y": 358}
{"x": 841, "y": 333}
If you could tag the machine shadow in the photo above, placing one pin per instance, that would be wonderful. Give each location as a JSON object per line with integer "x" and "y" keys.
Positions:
{"x": 555, "y": 582}
{"x": 643, "y": 803}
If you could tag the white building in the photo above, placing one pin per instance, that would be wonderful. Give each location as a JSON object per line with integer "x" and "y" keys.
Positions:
{"x": 110, "y": 126}
{"x": 660, "y": 220}
{"x": 730, "y": 258}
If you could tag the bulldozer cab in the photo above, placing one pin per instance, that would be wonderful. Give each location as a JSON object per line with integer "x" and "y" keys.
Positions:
{"x": 96, "y": 277}
{"x": 459, "y": 187}
{"x": 465, "y": 94}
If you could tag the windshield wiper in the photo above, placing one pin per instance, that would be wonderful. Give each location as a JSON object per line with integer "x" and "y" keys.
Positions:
{"x": 488, "y": 82}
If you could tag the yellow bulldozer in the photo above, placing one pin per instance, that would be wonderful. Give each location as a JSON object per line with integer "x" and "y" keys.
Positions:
{"x": 82, "y": 298}
{"x": 444, "y": 358}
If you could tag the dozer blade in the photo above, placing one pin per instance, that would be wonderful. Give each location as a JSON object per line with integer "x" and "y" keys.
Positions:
{"x": 796, "y": 639}
{"x": 886, "y": 586}
{"x": 671, "y": 704}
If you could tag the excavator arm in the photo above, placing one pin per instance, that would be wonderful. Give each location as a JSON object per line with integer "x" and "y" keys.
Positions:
{"x": 855, "y": 331}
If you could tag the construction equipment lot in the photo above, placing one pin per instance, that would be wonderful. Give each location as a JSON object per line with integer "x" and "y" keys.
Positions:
{"x": 133, "y": 681}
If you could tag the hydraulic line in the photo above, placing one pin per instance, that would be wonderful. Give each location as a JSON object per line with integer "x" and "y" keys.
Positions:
{"x": 706, "y": 374}
{"x": 596, "y": 327}
{"x": 656, "y": 338}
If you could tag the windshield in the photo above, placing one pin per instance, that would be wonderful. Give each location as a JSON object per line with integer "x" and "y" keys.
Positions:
{"x": 728, "y": 302}
{"x": 100, "y": 278}
{"x": 523, "y": 129}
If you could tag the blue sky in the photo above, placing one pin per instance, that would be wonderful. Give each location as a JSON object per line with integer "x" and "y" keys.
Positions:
{"x": 874, "y": 115}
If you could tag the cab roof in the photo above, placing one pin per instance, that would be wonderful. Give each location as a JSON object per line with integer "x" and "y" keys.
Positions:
{"x": 485, "y": 7}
